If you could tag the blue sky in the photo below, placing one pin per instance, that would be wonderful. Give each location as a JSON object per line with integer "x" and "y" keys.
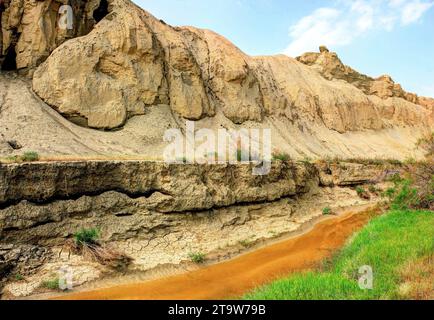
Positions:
{"x": 375, "y": 37}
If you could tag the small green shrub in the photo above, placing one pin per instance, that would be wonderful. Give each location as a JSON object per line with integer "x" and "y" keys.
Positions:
{"x": 30, "y": 156}
{"x": 19, "y": 277}
{"x": 197, "y": 257}
{"x": 86, "y": 236}
{"x": 402, "y": 195}
{"x": 281, "y": 156}
{"x": 406, "y": 197}
{"x": 327, "y": 211}
{"x": 52, "y": 284}
{"x": 246, "y": 243}
{"x": 389, "y": 193}
{"x": 13, "y": 159}
{"x": 306, "y": 160}
{"x": 373, "y": 189}
{"x": 360, "y": 191}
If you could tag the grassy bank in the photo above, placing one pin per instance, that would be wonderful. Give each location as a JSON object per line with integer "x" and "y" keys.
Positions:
{"x": 391, "y": 244}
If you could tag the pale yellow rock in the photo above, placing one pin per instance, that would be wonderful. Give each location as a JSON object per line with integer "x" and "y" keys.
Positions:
{"x": 135, "y": 73}
{"x": 131, "y": 60}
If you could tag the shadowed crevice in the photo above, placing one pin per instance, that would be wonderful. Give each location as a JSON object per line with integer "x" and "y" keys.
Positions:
{"x": 101, "y": 11}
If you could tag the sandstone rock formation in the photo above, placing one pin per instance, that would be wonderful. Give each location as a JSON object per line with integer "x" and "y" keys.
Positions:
{"x": 131, "y": 61}
{"x": 331, "y": 67}
{"x": 121, "y": 68}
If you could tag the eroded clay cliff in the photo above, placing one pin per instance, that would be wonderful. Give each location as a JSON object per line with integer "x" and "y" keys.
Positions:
{"x": 130, "y": 61}
{"x": 331, "y": 67}
{"x": 121, "y": 68}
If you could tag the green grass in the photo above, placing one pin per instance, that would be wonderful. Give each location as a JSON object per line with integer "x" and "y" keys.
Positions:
{"x": 19, "y": 277}
{"x": 52, "y": 284}
{"x": 86, "y": 236}
{"x": 30, "y": 156}
{"x": 281, "y": 156}
{"x": 386, "y": 244}
{"x": 197, "y": 257}
{"x": 327, "y": 211}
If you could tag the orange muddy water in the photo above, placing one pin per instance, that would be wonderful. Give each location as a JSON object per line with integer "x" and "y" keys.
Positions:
{"x": 233, "y": 278}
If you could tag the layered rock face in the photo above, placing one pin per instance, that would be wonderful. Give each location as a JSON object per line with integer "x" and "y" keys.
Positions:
{"x": 39, "y": 196}
{"x": 167, "y": 188}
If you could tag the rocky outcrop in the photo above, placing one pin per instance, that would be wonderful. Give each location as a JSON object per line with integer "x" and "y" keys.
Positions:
{"x": 166, "y": 188}
{"x": 131, "y": 61}
{"x": 145, "y": 195}
{"x": 134, "y": 73}
{"x": 331, "y": 67}
{"x": 348, "y": 174}
{"x": 21, "y": 260}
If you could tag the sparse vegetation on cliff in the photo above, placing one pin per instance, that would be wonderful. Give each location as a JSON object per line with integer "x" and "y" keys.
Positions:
{"x": 52, "y": 284}
{"x": 86, "y": 243}
{"x": 86, "y": 237}
{"x": 30, "y": 156}
{"x": 327, "y": 211}
{"x": 281, "y": 156}
{"x": 197, "y": 257}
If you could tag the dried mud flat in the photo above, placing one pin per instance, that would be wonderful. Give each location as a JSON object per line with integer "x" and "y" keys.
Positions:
{"x": 233, "y": 278}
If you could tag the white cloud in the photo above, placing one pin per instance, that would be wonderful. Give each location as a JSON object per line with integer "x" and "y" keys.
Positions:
{"x": 348, "y": 20}
{"x": 413, "y": 11}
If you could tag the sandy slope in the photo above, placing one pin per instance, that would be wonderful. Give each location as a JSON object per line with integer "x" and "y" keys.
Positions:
{"x": 34, "y": 125}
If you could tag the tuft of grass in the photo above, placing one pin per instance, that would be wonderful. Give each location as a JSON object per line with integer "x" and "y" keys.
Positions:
{"x": 246, "y": 243}
{"x": 361, "y": 192}
{"x": 86, "y": 237}
{"x": 13, "y": 159}
{"x": 197, "y": 257}
{"x": 19, "y": 277}
{"x": 281, "y": 156}
{"x": 387, "y": 244}
{"x": 52, "y": 284}
{"x": 418, "y": 279}
{"x": 30, "y": 156}
{"x": 373, "y": 189}
{"x": 327, "y": 211}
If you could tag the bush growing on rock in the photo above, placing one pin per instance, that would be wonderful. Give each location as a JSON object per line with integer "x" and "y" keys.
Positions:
{"x": 281, "y": 156}
{"x": 86, "y": 236}
{"x": 361, "y": 192}
{"x": 327, "y": 211}
{"x": 52, "y": 284}
{"x": 414, "y": 192}
{"x": 30, "y": 156}
{"x": 197, "y": 257}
